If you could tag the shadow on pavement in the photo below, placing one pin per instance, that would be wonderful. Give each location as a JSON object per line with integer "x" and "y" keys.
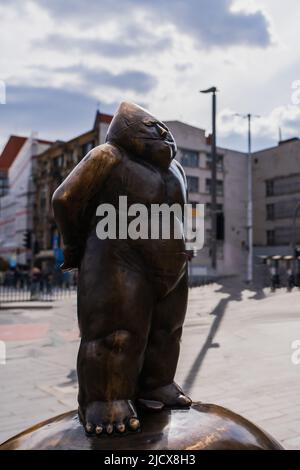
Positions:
{"x": 234, "y": 290}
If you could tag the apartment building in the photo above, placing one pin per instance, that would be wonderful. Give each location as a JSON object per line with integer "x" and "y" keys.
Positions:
{"x": 53, "y": 166}
{"x": 16, "y": 202}
{"x": 276, "y": 197}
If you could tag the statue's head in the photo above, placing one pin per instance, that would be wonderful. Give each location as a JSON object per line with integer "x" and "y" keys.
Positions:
{"x": 137, "y": 131}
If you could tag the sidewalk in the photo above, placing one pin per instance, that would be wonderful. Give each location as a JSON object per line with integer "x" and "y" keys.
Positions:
{"x": 236, "y": 352}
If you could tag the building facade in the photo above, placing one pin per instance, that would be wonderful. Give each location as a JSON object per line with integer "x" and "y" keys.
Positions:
{"x": 16, "y": 203}
{"x": 52, "y": 167}
{"x": 194, "y": 153}
{"x": 276, "y": 196}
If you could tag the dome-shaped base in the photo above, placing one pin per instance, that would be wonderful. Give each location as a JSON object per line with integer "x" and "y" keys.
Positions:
{"x": 203, "y": 426}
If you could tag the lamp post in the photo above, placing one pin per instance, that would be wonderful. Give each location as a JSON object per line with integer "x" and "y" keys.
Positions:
{"x": 213, "y": 90}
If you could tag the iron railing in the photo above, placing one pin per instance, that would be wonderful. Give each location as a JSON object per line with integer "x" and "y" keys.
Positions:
{"x": 35, "y": 292}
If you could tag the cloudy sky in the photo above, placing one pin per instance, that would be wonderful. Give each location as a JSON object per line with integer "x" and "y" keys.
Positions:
{"x": 60, "y": 59}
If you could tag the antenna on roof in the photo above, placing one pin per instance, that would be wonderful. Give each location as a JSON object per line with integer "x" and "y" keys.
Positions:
{"x": 98, "y": 107}
{"x": 279, "y": 134}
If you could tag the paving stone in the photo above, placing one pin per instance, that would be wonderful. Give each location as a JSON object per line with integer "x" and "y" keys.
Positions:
{"x": 246, "y": 368}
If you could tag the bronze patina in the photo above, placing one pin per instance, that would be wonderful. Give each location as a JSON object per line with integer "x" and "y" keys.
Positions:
{"x": 132, "y": 294}
{"x": 200, "y": 427}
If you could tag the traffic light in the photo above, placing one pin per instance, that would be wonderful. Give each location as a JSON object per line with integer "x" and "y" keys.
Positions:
{"x": 27, "y": 239}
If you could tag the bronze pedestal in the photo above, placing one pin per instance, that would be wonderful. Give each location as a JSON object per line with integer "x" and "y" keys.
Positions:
{"x": 201, "y": 427}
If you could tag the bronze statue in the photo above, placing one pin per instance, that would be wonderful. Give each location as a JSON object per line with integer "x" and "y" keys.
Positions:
{"x": 132, "y": 300}
{"x": 132, "y": 294}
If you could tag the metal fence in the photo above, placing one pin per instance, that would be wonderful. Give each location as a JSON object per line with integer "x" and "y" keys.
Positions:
{"x": 35, "y": 292}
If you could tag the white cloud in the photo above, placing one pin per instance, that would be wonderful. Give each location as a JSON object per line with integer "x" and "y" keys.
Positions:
{"x": 284, "y": 120}
{"x": 248, "y": 48}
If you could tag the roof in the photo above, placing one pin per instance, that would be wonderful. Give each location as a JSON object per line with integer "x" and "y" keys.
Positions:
{"x": 43, "y": 141}
{"x": 101, "y": 117}
{"x": 183, "y": 124}
{"x": 11, "y": 150}
{"x": 291, "y": 141}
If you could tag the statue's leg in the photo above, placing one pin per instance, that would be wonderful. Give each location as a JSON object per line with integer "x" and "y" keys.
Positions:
{"x": 114, "y": 319}
{"x": 157, "y": 386}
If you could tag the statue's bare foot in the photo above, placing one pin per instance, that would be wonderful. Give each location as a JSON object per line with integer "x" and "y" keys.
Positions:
{"x": 169, "y": 395}
{"x": 102, "y": 417}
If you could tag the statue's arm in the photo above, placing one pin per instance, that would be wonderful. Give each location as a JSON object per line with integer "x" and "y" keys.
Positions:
{"x": 73, "y": 198}
{"x": 190, "y": 253}
{"x": 182, "y": 178}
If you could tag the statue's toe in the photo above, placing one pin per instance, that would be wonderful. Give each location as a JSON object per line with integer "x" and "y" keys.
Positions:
{"x": 89, "y": 428}
{"x": 183, "y": 400}
{"x": 134, "y": 424}
{"x": 99, "y": 429}
{"x": 110, "y": 417}
{"x": 109, "y": 428}
{"x": 120, "y": 427}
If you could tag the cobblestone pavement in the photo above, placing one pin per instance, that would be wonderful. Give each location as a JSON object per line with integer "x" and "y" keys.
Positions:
{"x": 236, "y": 352}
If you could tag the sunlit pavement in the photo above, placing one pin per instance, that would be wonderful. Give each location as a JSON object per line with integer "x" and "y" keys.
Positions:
{"x": 236, "y": 352}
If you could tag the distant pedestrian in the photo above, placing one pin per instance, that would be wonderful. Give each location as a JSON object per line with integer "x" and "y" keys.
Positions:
{"x": 35, "y": 277}
{"x": 275, "y": 280}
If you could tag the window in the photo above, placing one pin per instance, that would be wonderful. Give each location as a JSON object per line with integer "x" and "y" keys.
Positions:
{"x": 270, "y": 211}
{"x": 192, "y": 184}
{"x": 3, "y": 185}
{"x": 270, "y": 237}
{"x": 189, "y": 158}
{"x": 283, "y": 185}
{"x": 43, "y": 198}
{"x": 74, "y": 157}
{"x": 208, "y": 185}
{"x": 285, "y": 209}
{"x": 219, "y": 161}
{"x": 85, "y": 148}
{"x": 219, "y": 190}
{"x": 58, "y": 162}
{"x": 220, "y": 228}
{"x": 269, "y": 188}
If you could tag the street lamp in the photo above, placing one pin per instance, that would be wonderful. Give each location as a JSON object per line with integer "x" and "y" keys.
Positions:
{"x": 249, "y": 276}
{"x": 213, "y": 90}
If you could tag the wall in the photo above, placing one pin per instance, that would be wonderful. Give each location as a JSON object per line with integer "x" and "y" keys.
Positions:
{"x": 232, "y": 253}
{"x": 16, "y": 207}
{"x": 280, "y": 161}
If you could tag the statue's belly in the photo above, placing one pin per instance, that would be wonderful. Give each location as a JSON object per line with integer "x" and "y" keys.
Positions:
{"x": 161, "y": 253}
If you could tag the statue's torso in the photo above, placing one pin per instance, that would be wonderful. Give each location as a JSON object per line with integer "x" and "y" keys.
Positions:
{"x": 144, "y": 184}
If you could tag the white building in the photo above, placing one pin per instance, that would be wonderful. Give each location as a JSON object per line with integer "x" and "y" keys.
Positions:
{"x": 16, "y": 206}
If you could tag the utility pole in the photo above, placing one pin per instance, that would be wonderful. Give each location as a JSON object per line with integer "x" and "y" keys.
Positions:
{"x": 213, "y": 90}
{"x": 249, "y": 276}
{"x": 250, "y": 207}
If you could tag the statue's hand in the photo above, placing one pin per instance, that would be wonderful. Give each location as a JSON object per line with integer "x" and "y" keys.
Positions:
{"x": 71, "y": 258}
